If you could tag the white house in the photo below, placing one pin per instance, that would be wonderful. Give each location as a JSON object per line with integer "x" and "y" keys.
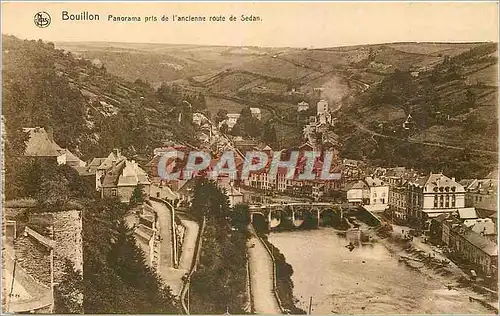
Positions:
{"x": 371, "y": 192}
{"x": 256, "y": 113}
{"x": 232, "y": 118}
{"x": 302, "y": 106}
{"x": 379, "y": 192}
{"x": 234, "y": 194}
{"x": 434, "y": 195}
{"x": 323, "y": 114}
{"x": 68, "y": 158}
{"x": 322, "y": 107}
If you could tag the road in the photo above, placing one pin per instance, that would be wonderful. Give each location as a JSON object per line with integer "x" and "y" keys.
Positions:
{"x": 261, "y": 277}
{"x": 189, "y": 244}
{"x": 373, "y": 133}
{"x": 166, "y": 235}
{"x": 170, "y": 276}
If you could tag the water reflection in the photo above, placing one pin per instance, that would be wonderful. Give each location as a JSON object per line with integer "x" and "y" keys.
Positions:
{"x": 366, "y": 279}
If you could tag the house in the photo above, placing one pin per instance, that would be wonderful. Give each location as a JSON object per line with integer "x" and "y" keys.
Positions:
{"x": 99, "y": 166}
{"x": 483, "y": 226}
{"x": 358, "y": 193}
{"x": 322, "y": 112}
{"x": 256, "y": 113}
{"x": 185, "y": 191}
{"x": 122, "y": 179}
{"x": 398, "y": 201}
{"x": 394, "y": 176}
{"x": 232, "y": 119}
{"x": 481, "y": 193}
{"x": 471, "y": 246}
{"x": 407, "y": 124}
{"x": 68, "y": 158}
{"x": 433, "y": 195}
{"x": 245, "y": 145}
{"x": 302, "y": 106}
{"x": 41, "y": 145}
{"x": 379, "y": 193}
{"x": 352, "y": 170}
{"x": 234, "y": 194}
{"x": 322, "y": 107}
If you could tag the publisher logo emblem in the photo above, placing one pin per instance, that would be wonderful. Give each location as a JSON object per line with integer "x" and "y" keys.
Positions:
{"x": 42, "y": 19}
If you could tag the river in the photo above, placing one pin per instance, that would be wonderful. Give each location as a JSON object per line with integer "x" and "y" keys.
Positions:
{"x": 367, "y": 280}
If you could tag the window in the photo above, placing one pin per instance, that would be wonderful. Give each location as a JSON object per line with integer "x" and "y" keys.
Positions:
{"x": 447, "y": 201}
{"x": 435, "y": 200}
{"x": 453, "y": 201}
{"x": 113, "y": 192}
{"x": 480, "y": 199}
{"x": 375, "y": 194}
{"x": 374, "y": 201}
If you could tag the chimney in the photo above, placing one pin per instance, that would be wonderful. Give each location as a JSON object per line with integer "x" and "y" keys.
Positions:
{"x": 116, "y": 152}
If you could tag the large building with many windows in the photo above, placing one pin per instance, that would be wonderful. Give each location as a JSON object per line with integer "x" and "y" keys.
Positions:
{"x": 433, "y": 195}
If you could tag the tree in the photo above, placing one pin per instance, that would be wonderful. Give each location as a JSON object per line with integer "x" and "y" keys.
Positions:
{"x": 240, "y": 216}
{"x": 224, "y": 128}
{"x": 220, "y": 280}
{"x": 116, "y": 279}
{"x": 209, "y": 200}
{"x": 137, "y": 195}
{"x": 68, "y": 294}
{"x": 269, "y": 134}
{"x": 53, "y": 191}
{"x": 247, "y": 125}
{"x": 220, "y": 116}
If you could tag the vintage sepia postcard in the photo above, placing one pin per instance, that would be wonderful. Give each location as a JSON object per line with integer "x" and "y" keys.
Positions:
{"x": 250, "y": 157}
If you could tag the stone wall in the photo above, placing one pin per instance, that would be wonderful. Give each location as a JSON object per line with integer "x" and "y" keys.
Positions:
{"x": 68, "y": 236}
{"x": 65, "y": 228}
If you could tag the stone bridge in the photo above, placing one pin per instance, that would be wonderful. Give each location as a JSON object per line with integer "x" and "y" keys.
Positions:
{"x": 297, "y": 213}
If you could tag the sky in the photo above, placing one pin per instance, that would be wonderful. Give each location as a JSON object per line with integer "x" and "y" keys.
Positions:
{"x": 292, "y": 24}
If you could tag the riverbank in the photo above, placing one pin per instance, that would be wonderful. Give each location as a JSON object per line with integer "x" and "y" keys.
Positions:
{"x": 431, "y": 263}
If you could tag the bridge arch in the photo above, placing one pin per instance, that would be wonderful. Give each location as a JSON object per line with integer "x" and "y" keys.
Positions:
{"x": 259, "y": 221}
{"x": 275, "y": 217}
{"x": 256, "y": 213}
{"x": 305, "y": 216}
